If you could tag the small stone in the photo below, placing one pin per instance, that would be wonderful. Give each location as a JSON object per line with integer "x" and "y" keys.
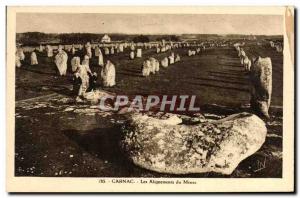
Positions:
{"x": 69, "y": 109}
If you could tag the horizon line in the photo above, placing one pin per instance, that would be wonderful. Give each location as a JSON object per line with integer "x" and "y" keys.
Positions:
{"x": 150, "y": 34}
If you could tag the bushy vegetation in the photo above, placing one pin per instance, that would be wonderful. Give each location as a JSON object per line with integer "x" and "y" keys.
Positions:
{"x": 141, "y": 39}
{"x": 37, "y": 38}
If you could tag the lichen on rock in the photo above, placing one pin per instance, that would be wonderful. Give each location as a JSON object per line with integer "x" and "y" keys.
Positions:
{"x": 214, "y": 146}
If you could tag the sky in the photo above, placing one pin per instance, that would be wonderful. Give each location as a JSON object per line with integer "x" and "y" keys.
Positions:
{"x": 150, "y": 23}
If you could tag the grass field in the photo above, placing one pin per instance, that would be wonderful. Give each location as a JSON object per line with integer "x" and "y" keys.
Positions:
{"x": 53, "y": 142}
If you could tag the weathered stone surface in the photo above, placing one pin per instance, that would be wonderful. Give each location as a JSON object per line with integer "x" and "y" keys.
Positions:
{"x": 106, "y": 51}
{"x": 165, "y": 62}
{"x": 97, "y": 51}
{"x": 139, "y": 53}
{"x": 88, "y": 49}
{"x": 49, "y": 51}
{"x": 33, "y": 59}
{"x": 261, "y": 79}
{"x": 169, "y": 147}
{"x": 75, "y": 62}
{"x": 100, "y": 60}
{"x": 108, "y": 74}
{"x": 18, "y": 61}
{"x": 131, "y": 55}
{"x": 154, "y": 65}
{"x": 146, "y": 68}
{"x": 177, "y": 59}
{"x": 61, "y": 60}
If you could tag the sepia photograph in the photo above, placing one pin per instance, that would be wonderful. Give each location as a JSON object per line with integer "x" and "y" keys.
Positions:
{"x": 152, "y": 99}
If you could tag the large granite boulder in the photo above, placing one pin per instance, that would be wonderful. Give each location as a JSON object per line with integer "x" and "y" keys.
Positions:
{"x": 167, "y": 146}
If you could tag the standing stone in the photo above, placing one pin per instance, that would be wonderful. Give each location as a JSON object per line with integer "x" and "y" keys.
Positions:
{"x": 17, "y": 60}
{"x": 177, "y": 59}
{"x": 82, "y": 72}
{"x": 146, "y": 68}
{"x": 242, "y": 60}
{"x": 67, "y": 48}
{"x": 131, "y": 55}
{"x": 247, "y": 64}
{"x": 121, "y": 48}
{"x": 86, "y": 60}
{"x": 261, "y": 78}
{"x": 171, "y": 59}
{"x": 108, "y": 75}
{"x": 139, "y": 53}
{"x": 106, "y": 51}
{"x": 278, "y": 48}
{"x": 100, "y": 60}
{"x": 243, "y": 53}
{"x": 112, "y": 50}
{"x": 154, "y": 65}
{"x": 239, "y": 51}
{"x": 33, "y": 59}
{"x": 49, "y": 51}
{"x": 97, "y": 51}
{"x": 75, "y": 62}
{"x": 164, "y": 62}
{"x": 73, "y": 50}
{"x": 21, "y": 54}
{"x": 89, "y": 52}
{"x": 166, "y": 146}
{"x": 41, "y": 48}
{"x": 158, "y": 50}
{"x": 132, "y": 48}
{"x": 61, "y": 61}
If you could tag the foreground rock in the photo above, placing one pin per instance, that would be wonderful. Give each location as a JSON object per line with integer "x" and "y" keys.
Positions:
{"x": 167, "y": 147}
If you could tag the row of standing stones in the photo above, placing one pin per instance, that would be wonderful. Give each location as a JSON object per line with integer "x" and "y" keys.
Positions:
{"x": 167, "y": 146}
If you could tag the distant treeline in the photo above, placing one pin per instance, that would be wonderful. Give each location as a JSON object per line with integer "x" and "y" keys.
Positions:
{"x": 37, "y": 38}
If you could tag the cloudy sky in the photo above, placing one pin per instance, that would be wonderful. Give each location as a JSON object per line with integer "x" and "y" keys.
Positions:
{"x": 150, "y": 23}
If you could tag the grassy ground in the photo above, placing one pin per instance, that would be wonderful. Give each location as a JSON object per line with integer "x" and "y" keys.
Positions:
{"x": 51, "y": 141}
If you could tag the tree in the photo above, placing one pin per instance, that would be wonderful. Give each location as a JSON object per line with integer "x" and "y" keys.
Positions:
{"x": 141, "y": 39}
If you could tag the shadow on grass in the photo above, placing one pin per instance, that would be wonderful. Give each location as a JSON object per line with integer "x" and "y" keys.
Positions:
{"x": 219, "y": 86}
{"x": 130, "y": 74}
{"x": 222, "y": 81}
{"x": 101, "y": 141}
{"x": 37, "y": 71}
